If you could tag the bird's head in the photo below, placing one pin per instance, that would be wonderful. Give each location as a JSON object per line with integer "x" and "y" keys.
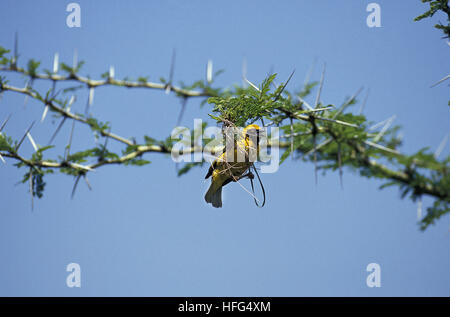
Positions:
{"x": 252, "y": 133}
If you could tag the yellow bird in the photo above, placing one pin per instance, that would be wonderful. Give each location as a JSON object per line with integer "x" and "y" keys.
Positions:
{"x": 224, "y": 171}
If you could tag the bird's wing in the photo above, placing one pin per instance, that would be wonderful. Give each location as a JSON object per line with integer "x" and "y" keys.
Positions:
{"x": 211, "y": 169}
{"x": 214, "y": 165}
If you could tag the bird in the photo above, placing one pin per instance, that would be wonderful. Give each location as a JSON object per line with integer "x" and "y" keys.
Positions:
{"x": 223, "y": 170}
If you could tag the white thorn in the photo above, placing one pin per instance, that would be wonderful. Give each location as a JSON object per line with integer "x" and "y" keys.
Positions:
{"x": 320, "y": 109}
{"x": 377, "y": 125}
{"x": 381, "y": 147}
{"x": 91, "y": 96}
{"x": 363, "y": 105}
{"x": 44, "y": 114}
{"x": 111, "y": 72}
{"x": 441, "y": 146}
{"x": 440, "y": 81}
{"x": 338, "y": 122}
{"x": 305, "y": 103}
{"x": 209, "y": 71}
{"x": 30, "y": 138}
{"x": 319, "y": 92}
{"x": 347, "y": 102}
{"x": 56, "y": 63}
{"x": 384, "y": 129}
{"x": 244, "y": 72}
{"x": 27, "y": 87}
{"x": 3, "y": 160}
{"x": 16, "y": 49}
{"x": 83, "y": 167}
{"x": 251, "y": 84}
{"x": 327, "y": 141}
{"x": 71, "y": 101}
{"x": 310, "y": 72}
{"x": 75, "y": 58}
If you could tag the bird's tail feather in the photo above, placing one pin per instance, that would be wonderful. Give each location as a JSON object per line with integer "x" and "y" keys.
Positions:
{"x": 214, "y": 196}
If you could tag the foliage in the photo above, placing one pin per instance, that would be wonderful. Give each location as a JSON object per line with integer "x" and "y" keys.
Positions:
{"x": 435, "y": 6}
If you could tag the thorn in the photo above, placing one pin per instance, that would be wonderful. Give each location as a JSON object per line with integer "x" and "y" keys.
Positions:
{"x": 16, "y": 50}
{"x": 75, "y": 186}
{"x": 400, "y": 136}
{"x": 106, "y": 139}
{"x": 5, "y": 122}
{"x": 379, "y": 124}
{"x": 209, "y": 71}
{"x": 23, "y": 138}
{"x": 381, "y": 147}
{"x": 44, "y": 113}
{"x": 71, "y": 101}
{"x": 111, "y": 72}
{"x": 91, "y": 96}
{"x": 70, "y": 141}
{"x": 172, "y": 65}
{"x": 31, "y": 188}
{"x": 30, "y": 138}
{"x": 315, "y": 157}
{"x": 28, "y": 86}
{"x": 54, "y": 92}
{"x": 57, "y": 130}
{"x": 244, "y": 72}
{"x": 75, "y": 59}
{"x": 284, "y": 86}
{"x": 171, "y": 72}
{"x": 419, "y": 209}
{"x": 2, "y": 159}
{"x": 87, "y": 181}
{"x": 384, "y": 129}
{"x": 96, "y": 137}
{"x": 90, "y": 99}
{"x": 251, "y": 84}
{"x": 183, "y": 107}
{"x": 83, "y": 167}
{"x": 56, "y": 63}
{"x": 320, "y": 109}
{"x": 327, "y": 141}
{"x": 322, "y": 78}
{"x": 310, "y": 71}
{"x": 338, "y": 122}
{"x": 271, "y": 71}
{"x": 348, "y": 102}
{"x": 439, "y": 149}
{"x": 294, "y": 134}
{"x": 440, "y": 81}
{"x": 363, "y": 105}
{"x": 305, "y": 103}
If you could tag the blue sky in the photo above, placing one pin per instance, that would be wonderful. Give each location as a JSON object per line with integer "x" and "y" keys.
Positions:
{"x": 146, "y": 232}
